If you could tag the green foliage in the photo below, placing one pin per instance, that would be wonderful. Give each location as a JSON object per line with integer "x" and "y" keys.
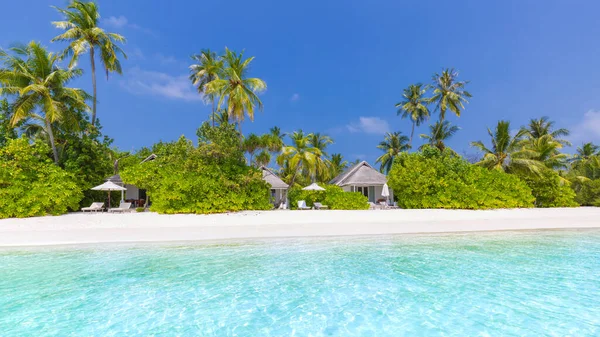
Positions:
{"x": 31, "y": 185}
{"x": 333, "y": 196}
{"x": 6, "y": 130}
{"x": 588, "y": 193}
{"x": 435, "y": 179}
{"x": 89, "y": 161}
{"x": 549, "y": 189}
{"x": 210, "y": 178}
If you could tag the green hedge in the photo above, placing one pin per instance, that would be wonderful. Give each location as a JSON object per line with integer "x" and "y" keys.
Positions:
{"x": 334, "y": 197}
{"x": 31, "y": 184}
{"x": 210, "y": 178}
{"x": 550, "y": 190}
{"x": 432, "y": 179}
{"x": 588, "y": 193}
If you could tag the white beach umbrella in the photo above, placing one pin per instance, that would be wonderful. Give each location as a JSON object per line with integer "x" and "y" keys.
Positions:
{"x": 385, "y": 191}
{"x": 109, "y": 186}
{"x": 313, "y": 187}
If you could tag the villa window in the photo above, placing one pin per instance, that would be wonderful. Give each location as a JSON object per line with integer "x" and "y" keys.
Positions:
{"x": 363, "y": 189}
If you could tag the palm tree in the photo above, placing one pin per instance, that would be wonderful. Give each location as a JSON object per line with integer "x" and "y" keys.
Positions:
{"x": 251, "y": 144}
{"x": 392, "y": 145}
{"x": 584, "y": 153}
{"x": 506, "y": 153}
{"x": 206, "y": 70}
{"x": 321, "y": 142}
{"x": 337, "y": 165}
{"x": 234, "y": 85}
{"x": 300, "y": 156}
{"x": 219, "y": 117}
{"x": 262, "y": 159}
{"x": 83, "y": 34}
{"x": 547, "y": 151}
{"x": 440, "y": 132}
{"x": 273, "y": 141}
{"x": 539, "y": 128}
{"x": 414, "y": 106}
{"x": 448, "y": 93}
{"x": 39, "y": 84}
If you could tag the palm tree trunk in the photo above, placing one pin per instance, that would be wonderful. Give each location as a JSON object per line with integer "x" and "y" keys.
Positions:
{"x": 295, "y": 173}
{"x": 93, "y": 84}
{"x": 412, "y": 132}
{"x": 52, "y": 144}
{"x": 213, "y": 112}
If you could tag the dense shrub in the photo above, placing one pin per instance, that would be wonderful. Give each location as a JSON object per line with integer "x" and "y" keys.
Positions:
{"x": 31, "y": 184}
{"x": 588, "y": 193}
{"x": 89, "y": 161}
{"x": 210, "y": 178}
{"x": 333, "y": 196}
{"x": 432, "y": 179}
{"x": 550, "y": 190}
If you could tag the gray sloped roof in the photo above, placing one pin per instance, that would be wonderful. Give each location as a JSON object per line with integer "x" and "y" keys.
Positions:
{"x": 273, "y": 179}
{"x": 116, "y": 179}
{"x": 360, "y": 174}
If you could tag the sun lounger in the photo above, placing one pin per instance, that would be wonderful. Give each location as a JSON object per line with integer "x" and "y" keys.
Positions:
{"x": 318, "y": 205}
{"x": 94, "y": 207}
{"x": 302, "y": 205}
{"x": 372, "y": 205}
{"x": 123, "y": 207}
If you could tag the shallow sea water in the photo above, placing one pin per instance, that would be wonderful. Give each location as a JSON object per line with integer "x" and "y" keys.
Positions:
{"x": 538, "y": 283}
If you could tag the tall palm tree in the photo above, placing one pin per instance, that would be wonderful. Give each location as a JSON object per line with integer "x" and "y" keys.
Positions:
{"x": 300, "y": 156}
{"x": 263, "y": 158}
{"x": 235, "y": 86}
{"x": 219, "y": 117}
{"x": 337, "y": 165}
{"x": 440, "y": 132}
{"x": 321, "y": 142}
{"x": 251, "y": 144}
{"x": 83, "y": 34}
{"x": 584, "y": 153}
{"x": 392, "y": 145}
{"x": 538, "y": 128}
{"x": 546, "y": 150}
{"x": 39, "y": 84}
{"x": 414, "y": 106}
{"x": 506, "y": 153}
{"x": 206, "y": 70}
{"x": 273, "y": 141}
{"x": 449, "y": 93}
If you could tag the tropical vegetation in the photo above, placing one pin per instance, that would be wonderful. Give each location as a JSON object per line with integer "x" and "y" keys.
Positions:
{"x": 83, "y": 35}
{"x": 333, "y": 197}
{"x": 52, "y": 149}
{"x": 441, "y": 179}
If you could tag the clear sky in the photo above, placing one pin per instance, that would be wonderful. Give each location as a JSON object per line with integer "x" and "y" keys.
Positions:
{"x": 339, "y": 67}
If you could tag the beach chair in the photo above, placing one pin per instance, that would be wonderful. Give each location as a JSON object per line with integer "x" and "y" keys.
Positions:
{"x": 94, "y": 207}
{"x": 318, "y": 205}
{"x": 302, "y": 205}
{"x": 372, "y": 205}
{"x": 123, "y": 207}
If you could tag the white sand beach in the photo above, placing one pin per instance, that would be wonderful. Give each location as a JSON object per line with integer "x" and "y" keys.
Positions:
{"x": 86, "y": 228}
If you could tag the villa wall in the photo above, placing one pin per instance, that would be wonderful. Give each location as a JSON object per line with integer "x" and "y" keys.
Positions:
{"x": 374, "y": 192}
{"x": 132, "y": 192}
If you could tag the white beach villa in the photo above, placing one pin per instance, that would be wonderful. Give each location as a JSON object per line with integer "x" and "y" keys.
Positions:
{"x": 278, "y": 187}
{"x": 363, "y": 178}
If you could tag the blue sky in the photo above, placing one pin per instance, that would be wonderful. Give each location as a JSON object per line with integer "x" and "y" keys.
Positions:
{"x": 339, "y": 67}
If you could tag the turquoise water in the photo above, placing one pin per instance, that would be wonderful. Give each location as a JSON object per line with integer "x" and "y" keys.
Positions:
{"x": 494, "y": 284}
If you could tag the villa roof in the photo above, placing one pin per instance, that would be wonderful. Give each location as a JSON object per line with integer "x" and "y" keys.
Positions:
{"x": 116, "y": 179}
{"x": 360, "y": 174}
{"x": 273, "y": 179}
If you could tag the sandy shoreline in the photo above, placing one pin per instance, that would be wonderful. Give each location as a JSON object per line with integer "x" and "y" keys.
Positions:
{"x": 81, "y": 228}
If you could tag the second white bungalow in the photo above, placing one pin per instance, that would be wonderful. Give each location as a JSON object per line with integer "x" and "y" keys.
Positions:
{"x": 363, "y": 178}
